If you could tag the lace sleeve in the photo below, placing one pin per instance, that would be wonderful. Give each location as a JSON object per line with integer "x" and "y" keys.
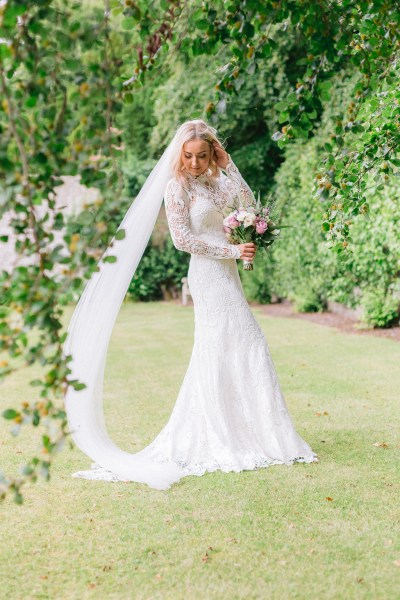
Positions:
{"x": 237, "y": 185}
{"x": 177, "y": 210}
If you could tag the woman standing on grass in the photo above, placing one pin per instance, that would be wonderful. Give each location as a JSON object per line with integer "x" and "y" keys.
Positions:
{"x": 230, "y": 414}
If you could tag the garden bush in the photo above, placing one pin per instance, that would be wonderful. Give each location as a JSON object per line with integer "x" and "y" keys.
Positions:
{"x": 258, "y": 284}
{"x": 308, "y": 273}
{"x": 159, "y": 272}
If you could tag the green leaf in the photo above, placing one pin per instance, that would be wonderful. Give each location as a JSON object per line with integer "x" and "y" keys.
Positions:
{"x": 18, "y": 499}
{"x": 30, "y": 102}
{"x": 266, "y": 50}
{"x": 78, "y": 386}
{"x": 120, "y": 235}
{"x": 27, "y": 470}
{"x": 85, "y": 218}
{"x": 128, "y": 23}
{"x": 10, "y": 414}
{"x": 128, "y": 98}
{"x": 248, "y": 30}
{"x": 202, "y": 24}
{"x": 110, "y": 259}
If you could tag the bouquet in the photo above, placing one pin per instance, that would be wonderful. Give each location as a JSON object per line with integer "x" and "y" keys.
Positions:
{"x": 251, "y": 224}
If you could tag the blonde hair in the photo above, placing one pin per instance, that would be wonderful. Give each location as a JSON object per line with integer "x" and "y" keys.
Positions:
{"x": 190, "y": 130}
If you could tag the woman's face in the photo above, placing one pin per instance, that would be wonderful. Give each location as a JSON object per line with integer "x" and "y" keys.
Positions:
{"x": 196, "y": 155}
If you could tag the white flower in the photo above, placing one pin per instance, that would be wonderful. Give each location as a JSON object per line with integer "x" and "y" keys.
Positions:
{"x": 275, "y": 232}
{"x": 249, "y": 219}
{"x": 241, "y": 215}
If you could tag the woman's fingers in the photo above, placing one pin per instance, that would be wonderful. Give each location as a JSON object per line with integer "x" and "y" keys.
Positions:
{"x": 221, "y": 155}
{"x": 248, "y": 250}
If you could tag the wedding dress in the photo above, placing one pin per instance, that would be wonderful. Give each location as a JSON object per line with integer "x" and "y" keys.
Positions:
{"x": 230, "y": 413}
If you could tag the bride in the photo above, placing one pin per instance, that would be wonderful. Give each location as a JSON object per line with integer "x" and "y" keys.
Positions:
{"x": 230, "y": 413}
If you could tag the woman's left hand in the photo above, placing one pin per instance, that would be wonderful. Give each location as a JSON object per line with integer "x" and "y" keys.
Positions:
{"x": 221, "y": 156}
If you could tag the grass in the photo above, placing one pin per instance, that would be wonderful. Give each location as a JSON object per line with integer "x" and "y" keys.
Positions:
{"x": 266, "y": 534}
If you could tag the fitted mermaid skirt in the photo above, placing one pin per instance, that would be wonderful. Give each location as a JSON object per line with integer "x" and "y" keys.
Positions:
{"x": 230, "y": 413}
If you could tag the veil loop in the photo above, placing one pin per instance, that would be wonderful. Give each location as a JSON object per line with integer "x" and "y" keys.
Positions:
{"x": 89, "y": 334}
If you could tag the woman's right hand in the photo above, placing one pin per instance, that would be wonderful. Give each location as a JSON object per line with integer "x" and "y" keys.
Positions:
{"x": 248, "y": 250}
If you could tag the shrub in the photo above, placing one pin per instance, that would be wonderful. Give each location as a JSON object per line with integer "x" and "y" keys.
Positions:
{"x": 380, "y": 309}
{"x": 309, "y": 273}
{"x": 309, "y": 297}
{"x": 305, "y": 267}
{"x": 159, "y": 272}
{"x": 258, "y": 284}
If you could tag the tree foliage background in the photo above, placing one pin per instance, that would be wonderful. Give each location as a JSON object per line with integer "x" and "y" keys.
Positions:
{"x": 306, "y": 94}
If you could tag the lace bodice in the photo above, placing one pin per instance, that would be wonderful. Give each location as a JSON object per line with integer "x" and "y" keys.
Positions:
{"x": 195, "y": 211}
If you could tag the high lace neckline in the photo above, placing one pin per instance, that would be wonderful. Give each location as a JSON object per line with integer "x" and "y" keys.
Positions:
{"x": 202, "y": 177}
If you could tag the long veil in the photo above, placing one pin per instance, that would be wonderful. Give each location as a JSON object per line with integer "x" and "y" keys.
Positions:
{"x": 89, "y": 333}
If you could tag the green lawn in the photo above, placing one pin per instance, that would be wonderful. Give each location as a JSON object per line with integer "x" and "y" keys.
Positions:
{"x": 266, "y": 534}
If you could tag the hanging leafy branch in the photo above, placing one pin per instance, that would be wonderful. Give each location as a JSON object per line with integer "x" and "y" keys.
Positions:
{"x": 58, "y": 103}
{"x": 360, "y": 36}
{"x": 62, "y": 73}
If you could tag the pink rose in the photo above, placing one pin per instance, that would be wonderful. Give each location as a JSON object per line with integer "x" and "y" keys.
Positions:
{"x": 227, "y": 229}
{"x": 232, "y": 223}
{"x": 261, "y": 226}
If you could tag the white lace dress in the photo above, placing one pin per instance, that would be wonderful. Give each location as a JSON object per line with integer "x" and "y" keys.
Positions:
{"x": 230, "y": 413}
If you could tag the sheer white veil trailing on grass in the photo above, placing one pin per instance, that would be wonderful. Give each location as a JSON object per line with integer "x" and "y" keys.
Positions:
{"x": 90, "y": 330}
